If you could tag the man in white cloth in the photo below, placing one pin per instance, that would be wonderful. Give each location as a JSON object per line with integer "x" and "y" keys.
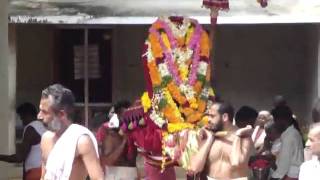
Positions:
{"x": 29, "y": 150}
{"x": 310, "y": 170}
{"x": 259, "y": 133}
{"x": 69, "y": 151}
{"x": 223, "y": 157}
{"x": 290, "y": 156}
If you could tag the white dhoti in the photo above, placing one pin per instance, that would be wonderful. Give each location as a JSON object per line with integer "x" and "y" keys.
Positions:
{"x": 241, "y": 178}
{"x": 121, "y": 173}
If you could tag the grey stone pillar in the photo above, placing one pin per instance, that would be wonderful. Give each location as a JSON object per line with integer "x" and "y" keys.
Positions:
{"x": 7, "y": 91}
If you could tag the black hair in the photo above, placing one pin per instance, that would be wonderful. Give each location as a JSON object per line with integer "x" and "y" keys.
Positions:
{"x": 27, "y": 109}
{"x": 225, "y": 107}
{"x": 282, "y": 112}
{"x": 121, "y": 105}
{"x": 279, "y": 100}
{"x": 62, "y": 98}
{"x": 246, "y": 114}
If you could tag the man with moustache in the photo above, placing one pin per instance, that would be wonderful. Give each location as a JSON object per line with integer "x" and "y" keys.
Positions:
{"x": 69, "y": 151}
{"x": 223, "y": 157}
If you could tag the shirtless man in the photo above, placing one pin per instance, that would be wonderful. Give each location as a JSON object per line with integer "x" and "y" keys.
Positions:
{"x": 56, "y": 108}
{"x": 223, "y": 157}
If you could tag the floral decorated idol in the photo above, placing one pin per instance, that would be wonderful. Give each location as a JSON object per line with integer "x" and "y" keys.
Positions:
{"x": 177, "y": 72}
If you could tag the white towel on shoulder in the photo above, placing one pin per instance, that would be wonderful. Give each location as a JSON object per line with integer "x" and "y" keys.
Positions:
{"x": 60, "y": 160}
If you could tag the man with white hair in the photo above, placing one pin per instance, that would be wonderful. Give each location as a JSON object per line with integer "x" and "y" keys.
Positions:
{"x": 259, "y": 133}
{"x": 310, "y": 170}
{"x": 69, "y": 151}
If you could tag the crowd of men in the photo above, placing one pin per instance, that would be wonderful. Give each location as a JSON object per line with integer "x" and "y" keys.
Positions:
{"x": 55, "y": 148}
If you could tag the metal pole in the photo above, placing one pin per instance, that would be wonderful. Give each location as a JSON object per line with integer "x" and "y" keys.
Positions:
{"x": 86, "y": 79}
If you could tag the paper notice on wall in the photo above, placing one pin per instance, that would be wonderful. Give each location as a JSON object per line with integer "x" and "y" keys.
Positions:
{"x": 93, "y": 62}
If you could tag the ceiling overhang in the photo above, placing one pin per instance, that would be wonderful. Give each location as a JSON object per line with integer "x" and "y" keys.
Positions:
{"x": 145, "y": 11}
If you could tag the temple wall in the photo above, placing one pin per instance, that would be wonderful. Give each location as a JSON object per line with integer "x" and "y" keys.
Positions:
{"x": 252, "y": 63}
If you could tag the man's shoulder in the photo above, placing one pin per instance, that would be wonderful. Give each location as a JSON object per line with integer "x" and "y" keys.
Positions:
{"x": 292, "y": 133}
{"x": 48, "y": 135}
{"x": 313, "y": 161}
{"x": 85, "y": 144}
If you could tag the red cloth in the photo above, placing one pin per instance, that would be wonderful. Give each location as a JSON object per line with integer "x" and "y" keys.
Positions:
{"x": 219, "y": 4}
{"x": 154, "y": 173}
{"x": 148, "y": 137}
{"x": 33, "y": 174}
{"x": 101, "y": 133}
{"x": 289, "y": 178}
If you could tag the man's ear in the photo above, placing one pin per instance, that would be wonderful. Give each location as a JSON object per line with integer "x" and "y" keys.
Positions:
{"x": 225, "y": 117}
{"x": 62, "y": 114}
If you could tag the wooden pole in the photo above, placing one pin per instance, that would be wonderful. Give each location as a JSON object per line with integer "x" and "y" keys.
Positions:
{"x": 86, "y": 79}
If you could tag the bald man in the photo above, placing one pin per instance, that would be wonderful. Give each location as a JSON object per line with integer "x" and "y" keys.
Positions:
{"x": 310, "y": 170}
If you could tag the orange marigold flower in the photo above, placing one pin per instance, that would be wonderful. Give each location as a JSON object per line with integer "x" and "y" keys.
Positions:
{"x": 208, "y": 73}
{"x": 157, "y": 25}
{"x": 155, "y": 46}
{"x": 175, "y": 92}
{"x": 186, "y": 111}
{"x": 180, "y": 41}
{"x": 204, "y": 44}
{"x": 201, "y": 105}
{"x": 154, "y": 73}
{"x": 198, "y": 87}
{"x": 194, "y": 117}
{"x": 170, "y": 115}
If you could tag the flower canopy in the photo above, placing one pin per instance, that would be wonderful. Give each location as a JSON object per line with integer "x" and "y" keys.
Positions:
{"x": 177, "y": 72}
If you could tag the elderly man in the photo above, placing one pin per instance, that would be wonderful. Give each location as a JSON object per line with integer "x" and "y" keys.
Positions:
{"x": 310, "y": 170}
{"x": 259, "y": 133}
{"x": 223, "y": 157}
{"x": 69, "y": 151}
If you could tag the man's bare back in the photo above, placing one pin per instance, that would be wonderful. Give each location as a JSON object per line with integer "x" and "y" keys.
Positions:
{"x": 219, "y": 164}
{"x": 79, "y": 170}
{"x": 113, "y": 147}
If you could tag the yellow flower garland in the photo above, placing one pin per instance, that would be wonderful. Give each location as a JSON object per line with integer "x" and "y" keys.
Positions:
{"x": 171, "y": 111}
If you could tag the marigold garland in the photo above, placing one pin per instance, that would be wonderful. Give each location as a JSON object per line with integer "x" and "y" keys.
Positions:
{"x": 170, "y": 75}
{"x": 179, "y": 69}
{"x": 154, "y": 74}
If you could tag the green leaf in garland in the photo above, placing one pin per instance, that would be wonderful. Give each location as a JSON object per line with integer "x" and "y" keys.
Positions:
{"x": 201, "y": 78}
{"x": 130, "y": 126}
{"x": 165, "y": 81}
{"x": 205, "y": 98}
{"x": 156, "y": 88}
{"x": 162, "y": 103}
